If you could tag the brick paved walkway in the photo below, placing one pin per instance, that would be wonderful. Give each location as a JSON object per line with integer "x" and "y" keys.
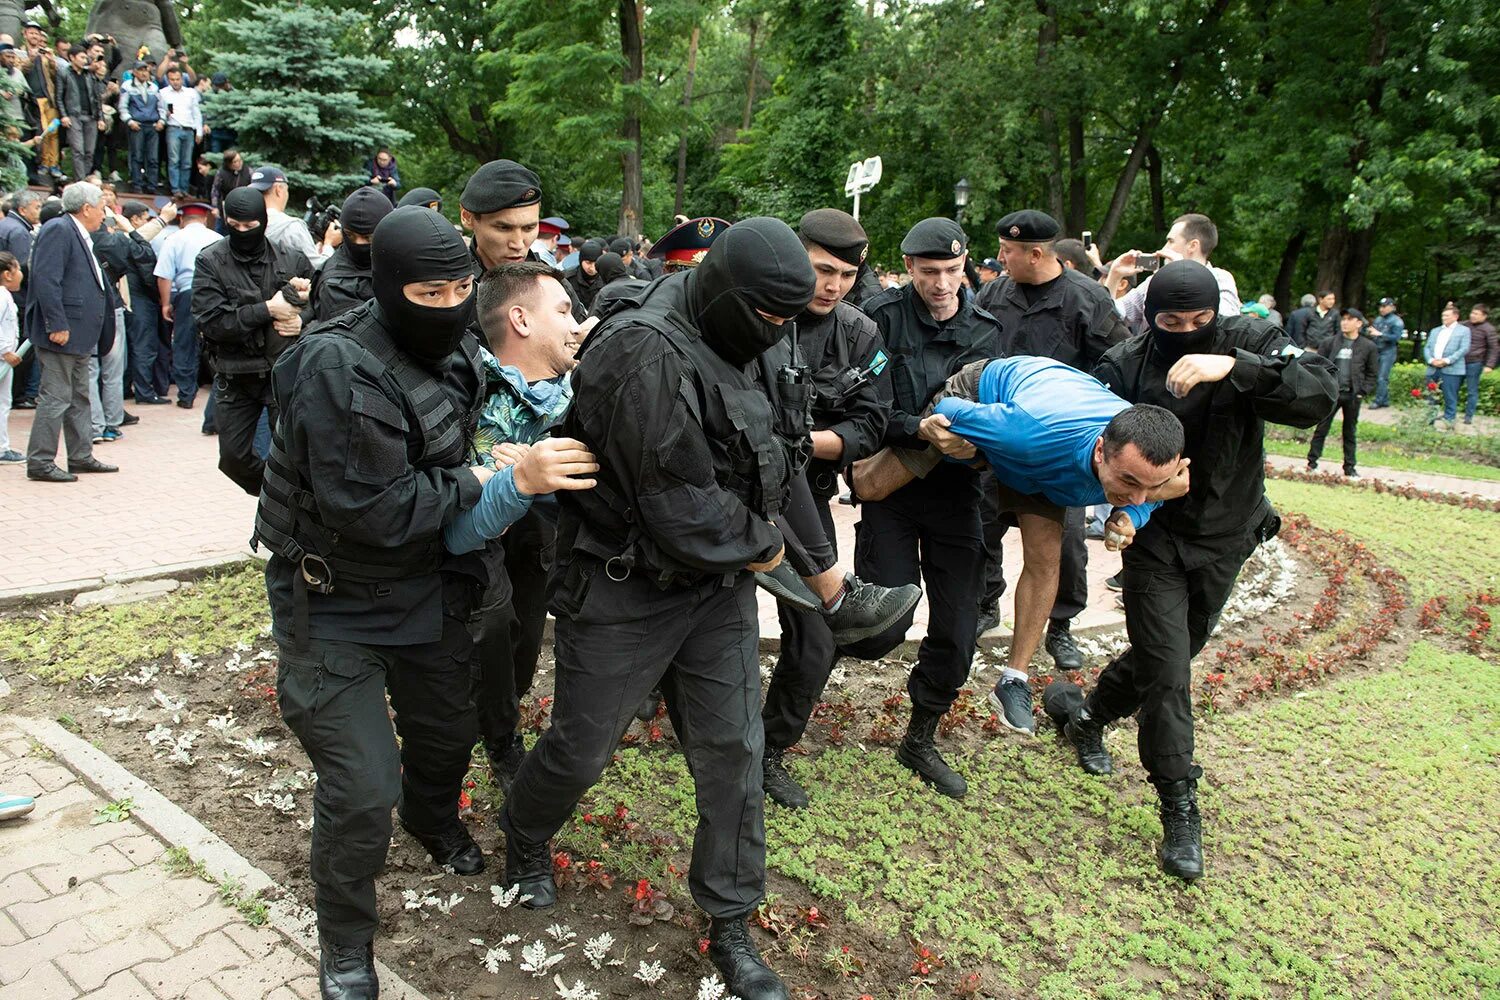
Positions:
{"x": 167, "y": 506}
{"x": 89, "y": 910}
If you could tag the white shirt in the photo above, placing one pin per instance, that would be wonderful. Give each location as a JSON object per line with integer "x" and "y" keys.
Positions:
{"x": 185, "y": 112}
{"x": 1440, "y": 343}
{"x": 1132, "y": 305}
{"x": 9, "y": 327}
{"x": 88, "y": 243}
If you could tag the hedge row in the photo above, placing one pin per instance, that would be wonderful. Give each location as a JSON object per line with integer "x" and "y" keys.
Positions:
{"x": 1405, "y": 378}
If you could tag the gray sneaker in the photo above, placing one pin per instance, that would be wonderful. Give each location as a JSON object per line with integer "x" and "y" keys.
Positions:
{"x": 1011, "y": 701}
{"x": 869, "y": 609}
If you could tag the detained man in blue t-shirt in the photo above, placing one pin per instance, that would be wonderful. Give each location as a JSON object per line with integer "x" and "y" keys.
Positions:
{"x": 1055, "y": 438}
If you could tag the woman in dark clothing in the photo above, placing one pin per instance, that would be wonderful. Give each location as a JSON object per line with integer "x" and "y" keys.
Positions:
{"x": 383, "y": 173}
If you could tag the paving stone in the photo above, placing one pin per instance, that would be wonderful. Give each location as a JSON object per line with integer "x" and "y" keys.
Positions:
{"x": 190, "y": 890}
{"x": 142, "y": 849}
{"x": 257, "y": 942}
{"x": 102, "y": 860}
{"x": 261, "y": 976}
{"x": 17, "y": 960}
{"x": 36, "y": 919}
{"x": 90, "y": 969}
{"x": 134, "y": 883}
{"x": 172, "y": 978}
{"x": 21, "y": 888}
{"x": 186, "y": 928}
{"x": 10, "y": 934}
{"x": 121, "y": 986}
{"x": 41, "y": 982}
{"x": 124, "y": 593}
{"x": 206, "y": 990}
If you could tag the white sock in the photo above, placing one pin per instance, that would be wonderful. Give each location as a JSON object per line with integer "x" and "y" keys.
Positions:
{"x": 1012, "y": 674}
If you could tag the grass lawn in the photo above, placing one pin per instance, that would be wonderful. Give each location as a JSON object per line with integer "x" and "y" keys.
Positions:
{"x": 1399, "y": 447}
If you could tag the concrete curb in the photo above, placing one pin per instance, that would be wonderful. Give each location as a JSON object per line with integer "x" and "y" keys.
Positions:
{"x": 175, "y": 828}
{"x": 66, "y": 590}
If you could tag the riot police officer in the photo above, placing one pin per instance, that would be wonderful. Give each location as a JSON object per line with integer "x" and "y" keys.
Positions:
{"x": 697, "y": 444}
{"x": 930, "y": 528}
{"x": 843, "y": 348}
{"x": 369, "y": 463}
{"x": 343, "y": 282}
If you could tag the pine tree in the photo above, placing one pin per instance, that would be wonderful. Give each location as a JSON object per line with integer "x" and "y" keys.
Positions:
{"x": 295, "y": 102}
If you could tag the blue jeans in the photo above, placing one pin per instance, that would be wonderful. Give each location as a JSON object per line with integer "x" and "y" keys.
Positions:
{"x": 1450, "y": 384}
{"x": 179, "y": 158}
{"x": 144, "y": 159}
{"x": 1383, "y": 382}
{"x": 1472, "y": 371}
{"x": 184, "y": 345}
{"x": 141, "y": 335}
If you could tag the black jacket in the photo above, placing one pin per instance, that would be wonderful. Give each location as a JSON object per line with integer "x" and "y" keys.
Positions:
{"x": 584, "y": 287}
{"x": 126, "y": 255}
{"x": 229, "y": 305}
{"x": 830, "y": 346}
{"x": 1224, "y": 421}
{"x": 1364, "y": 362}
{"x": 866, "y": 287}
{"x": 339, "y": 286}
{"x": 1074, "y": 321}
{"x": 225, "y": 181}
{"x": 78, "y": 94}
{"x": 924, "y": 353}
{"x": 1320, "y": 328}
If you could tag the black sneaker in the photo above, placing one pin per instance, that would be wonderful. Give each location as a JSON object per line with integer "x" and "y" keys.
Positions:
{"x": 647, "y": 709}
{"x": 745, "y": 973}
{"x": 870, "y": 609}
{"x": 988, "y": 618}
{"x": 1060, "y": 646}
{"x": 1116, "y": 582}
{"x": 530, "y": 867}
{"x": 129, "y": 420}
{"x": 347, "y": 973}
{"x": 781, "y": 786}
{"x": 786, "y": 586}
{"x": 1312, "y": 465}
{"x": 453, "y": 848}
{"x": 505, "y": 759}
{"x": 1087, "y": 737}
{"x": 1011, "y": 700}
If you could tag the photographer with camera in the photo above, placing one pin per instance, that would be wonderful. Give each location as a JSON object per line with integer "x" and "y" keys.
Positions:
{"x": 1192, "y": 237}
{"x": 249, "y": 298}
{"x": 345, "y": 282}
{"x": 286, "y": 231}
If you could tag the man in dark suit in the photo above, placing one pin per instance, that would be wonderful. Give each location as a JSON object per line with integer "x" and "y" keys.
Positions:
{"x": 16, "y": 231}
{"x": 71, "y": 317}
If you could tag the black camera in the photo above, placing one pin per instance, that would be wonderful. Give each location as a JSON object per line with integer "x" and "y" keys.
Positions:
{"x": 319, "y": 217}
{"x": 1148, "y": 262}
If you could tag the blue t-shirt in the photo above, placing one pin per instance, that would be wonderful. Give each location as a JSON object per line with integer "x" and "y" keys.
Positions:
{"x": 1036, "y": 422}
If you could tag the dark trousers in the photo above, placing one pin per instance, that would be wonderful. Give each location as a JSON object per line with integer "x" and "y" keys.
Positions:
{"x": 1349, "y": 406}
{"x": 144, "y": 341}
{"x": 508, "y": 630}
{"x": 1174, "y": 590}
{"x": 28, "y": 381}
{"x": 809, "y": 544}
{"x": 240, "y": 403}
{"x": 616, "y": 641}
{"x": 929, "y": 531}
{"x": 144, "y": 147}
{"x": 62, "y": 407}
{"x": 184, "y": 345}
{"x": 1472, "y": 372}
{"x": 333, "y": 697}
{"x": 807, "y": 658}
{"x": 993, "y": 525}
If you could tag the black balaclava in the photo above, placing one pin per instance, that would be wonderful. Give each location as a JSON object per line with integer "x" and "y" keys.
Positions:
{"x": 611, "y": 267}
{"x": 756, "y": 264}
{"x": 417, "y": 244}
{"x": 246, "y": 205}
{"x": 361, "y": 213}
{"x": 1182, "y": 286}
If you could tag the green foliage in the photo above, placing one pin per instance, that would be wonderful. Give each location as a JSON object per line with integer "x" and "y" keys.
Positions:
{"x": 1408, "y": 377}
{"x": 113, "y": 812}
{"x": 212, "y": 614}
{"x": 295, "y": 101}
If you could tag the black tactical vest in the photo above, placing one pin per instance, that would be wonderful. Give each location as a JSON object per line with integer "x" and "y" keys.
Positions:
{"x": 439, "y": 435}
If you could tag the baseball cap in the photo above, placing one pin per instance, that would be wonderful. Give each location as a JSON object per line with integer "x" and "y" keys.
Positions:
{"x": 264, "y": 177}
{"x": 992, "y": 264}
{"x": 1387, "y": 301}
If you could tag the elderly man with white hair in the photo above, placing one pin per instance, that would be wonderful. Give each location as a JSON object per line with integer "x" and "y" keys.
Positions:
{"x": 71, "y": 317}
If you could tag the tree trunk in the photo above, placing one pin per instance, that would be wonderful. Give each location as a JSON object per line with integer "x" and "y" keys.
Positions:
{"x": 750, "y": 79}
{"x": 1356, "y": 265}
{"x": 1078, "y": 177}
{"x": 1332, "y": 252}
{"x": 1046, "y": 41}
{"x": 1158, "y": 199}
{"x": 1282, "y": 290}
{"x": 631, "y": 16}
{"x": 687, "y": 107}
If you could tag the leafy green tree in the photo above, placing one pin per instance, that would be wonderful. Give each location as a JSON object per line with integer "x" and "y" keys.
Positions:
{"x": 295, "y": 101}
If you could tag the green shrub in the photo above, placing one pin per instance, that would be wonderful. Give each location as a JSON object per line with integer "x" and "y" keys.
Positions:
{"x": 1405, "y": 378}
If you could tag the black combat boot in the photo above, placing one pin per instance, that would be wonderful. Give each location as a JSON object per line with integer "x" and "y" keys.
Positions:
{"x": 505, "y": 757}
{"x": 1087, "y": 737}
{"x": 745, "y": 974}
{"x": 1181, "y": 851}
{"x": 1066, "y": 655}
{"x": 347, "y": 973}
{"x": 452, "y": 848}
{"x": 918, "y": 752}
{"x": 530, "y": 867}
{"x": 781, "y": 786}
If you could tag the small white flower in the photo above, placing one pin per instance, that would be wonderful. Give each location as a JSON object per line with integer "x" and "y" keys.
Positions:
{"x": 650, "y": 974}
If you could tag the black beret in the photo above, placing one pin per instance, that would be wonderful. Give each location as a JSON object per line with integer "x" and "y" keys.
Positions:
{"x": 591, "y": 250}
{"x": 498, "y": 185}
{"x": 621, "y": 245}
{"x": 936, "y": 239}
{"x": 1028, "y": 226}
{"x": 363, "y": 210}
{"x": 837, "y": 232}
{"x": 425, "y": 197}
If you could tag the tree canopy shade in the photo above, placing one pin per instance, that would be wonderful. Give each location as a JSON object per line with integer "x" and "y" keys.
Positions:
{"x": 1346, "y": 143}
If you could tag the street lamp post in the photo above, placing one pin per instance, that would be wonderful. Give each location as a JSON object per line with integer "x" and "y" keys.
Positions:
{"x": 961, "y": 198}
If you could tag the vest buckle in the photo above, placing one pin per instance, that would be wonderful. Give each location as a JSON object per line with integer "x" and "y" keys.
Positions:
{"x": 317, "y": 574}
{"x": 614, "y": 565}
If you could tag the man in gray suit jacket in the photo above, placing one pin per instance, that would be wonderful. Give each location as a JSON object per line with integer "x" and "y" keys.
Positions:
{"x": 70, "y": 316}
